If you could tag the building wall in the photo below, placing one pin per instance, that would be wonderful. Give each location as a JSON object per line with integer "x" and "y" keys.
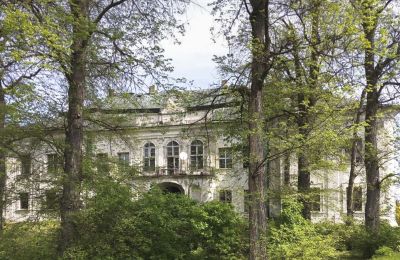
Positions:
{"x": 201, "y": 185}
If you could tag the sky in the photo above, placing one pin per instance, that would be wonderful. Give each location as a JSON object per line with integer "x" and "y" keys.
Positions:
{"x": 192, "y": 59}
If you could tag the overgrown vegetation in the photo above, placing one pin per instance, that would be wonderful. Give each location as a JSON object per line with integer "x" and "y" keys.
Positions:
{"x": 169, "y": 226}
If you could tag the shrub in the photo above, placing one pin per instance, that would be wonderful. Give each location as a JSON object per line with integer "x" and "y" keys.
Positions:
{"x": 293, "y": 237}
{"x": 384, "y": 251}
{"x": 368, "y": 243}
{"x": 156, "y": 226}
{"x": 29, "y": 240}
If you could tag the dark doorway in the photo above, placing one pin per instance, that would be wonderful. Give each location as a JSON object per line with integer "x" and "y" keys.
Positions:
{"x": 170, "y": 187}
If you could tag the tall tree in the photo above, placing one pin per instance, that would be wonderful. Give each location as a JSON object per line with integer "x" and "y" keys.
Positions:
{"x": 260, "y": 48}
{"x": 94, "y": 45}
{"x": 381, "y": 46}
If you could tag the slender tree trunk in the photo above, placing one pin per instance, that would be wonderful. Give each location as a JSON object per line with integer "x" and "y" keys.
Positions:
{"x": 71, "y": 202}
{"x": 3, "y": 175}
{"x": 257, "y": 211}
{"x": 353, "y": 159}
{"x": 305, "y": 103}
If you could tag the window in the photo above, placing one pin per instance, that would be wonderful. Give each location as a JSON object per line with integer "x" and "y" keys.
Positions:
{"x": 51, "y": 199}
{"x": 26, "y": 162}
{"x": 23, "y": 200}
{"x": 225, "y": 196}
{"x": 315, "y": 199}
{"x": 123, "y": 161}
{"x": 357, "y": 199}
{"x": 196, "y": 155}
{"x": 149, "y": 157}
{"x": 172, "y": 157}
{"x": 225, "y": 158}
{"x": 54, "y": 163}
{"x": 102, "y": 163}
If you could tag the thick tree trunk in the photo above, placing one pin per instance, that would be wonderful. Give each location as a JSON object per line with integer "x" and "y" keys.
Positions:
{"x": 257, "y": 209}
{"x": 372, "y": 206}
{"x": 3, "y": 175}
{"x": 71, "y": 202}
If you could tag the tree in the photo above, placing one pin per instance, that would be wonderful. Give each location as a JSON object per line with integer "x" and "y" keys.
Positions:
{"x": 260, "y": 48}
{"x": 91, "y": 43}
{"x": 381, "y": 48}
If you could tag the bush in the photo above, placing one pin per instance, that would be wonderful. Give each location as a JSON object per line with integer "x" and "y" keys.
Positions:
{"x": 384, "y": 251}
{"x": 293, "y": 237}
{"x": 156, "y": 226}
{"x": 29, "y": 240}
{"x": 368, "y": 242}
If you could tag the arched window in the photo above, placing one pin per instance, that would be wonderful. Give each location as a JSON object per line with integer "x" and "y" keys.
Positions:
{"x": 196, "y": 155}
{"x": 149, "y": 157}
{"x": 172, "y": 157}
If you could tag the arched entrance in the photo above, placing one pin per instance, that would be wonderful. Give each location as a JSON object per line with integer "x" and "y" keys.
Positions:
{"x": 170, "y": 187}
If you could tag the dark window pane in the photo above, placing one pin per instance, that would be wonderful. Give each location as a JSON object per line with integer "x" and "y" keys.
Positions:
{"x": 357, "y": 199}
{"x": 24, "y": 200}
{"x": 315, "y": 199}
{"x": 26, "y": 165}
{"x": 225, "y": 196}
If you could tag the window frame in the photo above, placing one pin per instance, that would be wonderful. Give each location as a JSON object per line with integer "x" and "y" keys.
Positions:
{"x": 359, "y": 191}
{"x": 173, "y": 157}
{"x": 23, "y": 201}
{"x": 57, "y": 163}
{"x": 149, "y": 160}
{"x": 196, "y": 156}
{"x": 313, "y": 201}
{"x": 225, "y": 196}
{"x": 227, "y": 158}
{"x": 26, "y": 165}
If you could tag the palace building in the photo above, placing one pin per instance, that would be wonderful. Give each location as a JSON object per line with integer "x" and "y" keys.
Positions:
{"x": 178, "y": 142}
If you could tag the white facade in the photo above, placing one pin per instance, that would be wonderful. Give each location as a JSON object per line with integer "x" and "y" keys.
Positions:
{"x": 222, "y": 176}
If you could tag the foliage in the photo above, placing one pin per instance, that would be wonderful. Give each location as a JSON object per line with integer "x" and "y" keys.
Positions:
{"x": 29, "y": 240}
{"x": 368, "y": 243}
{"x": 156, "y": 226}
{"x": 383, "y": 251}
{"x": 398, "y": 213}
{"x": 293, "y": 237}
{"x": 354, "y": 237}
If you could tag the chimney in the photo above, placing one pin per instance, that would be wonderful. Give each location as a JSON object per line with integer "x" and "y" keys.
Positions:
{"x": 153, "y": 89}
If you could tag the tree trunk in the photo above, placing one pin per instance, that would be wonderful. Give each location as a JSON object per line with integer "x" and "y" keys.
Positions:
{"x": 372, "y": 206}
{"x": 76, "y": 77}
{"x": 305, "y": 102}
{"x": 353, "y": 160}
{"x": 257, "y": 210}
{"x": 3, "y": 175}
